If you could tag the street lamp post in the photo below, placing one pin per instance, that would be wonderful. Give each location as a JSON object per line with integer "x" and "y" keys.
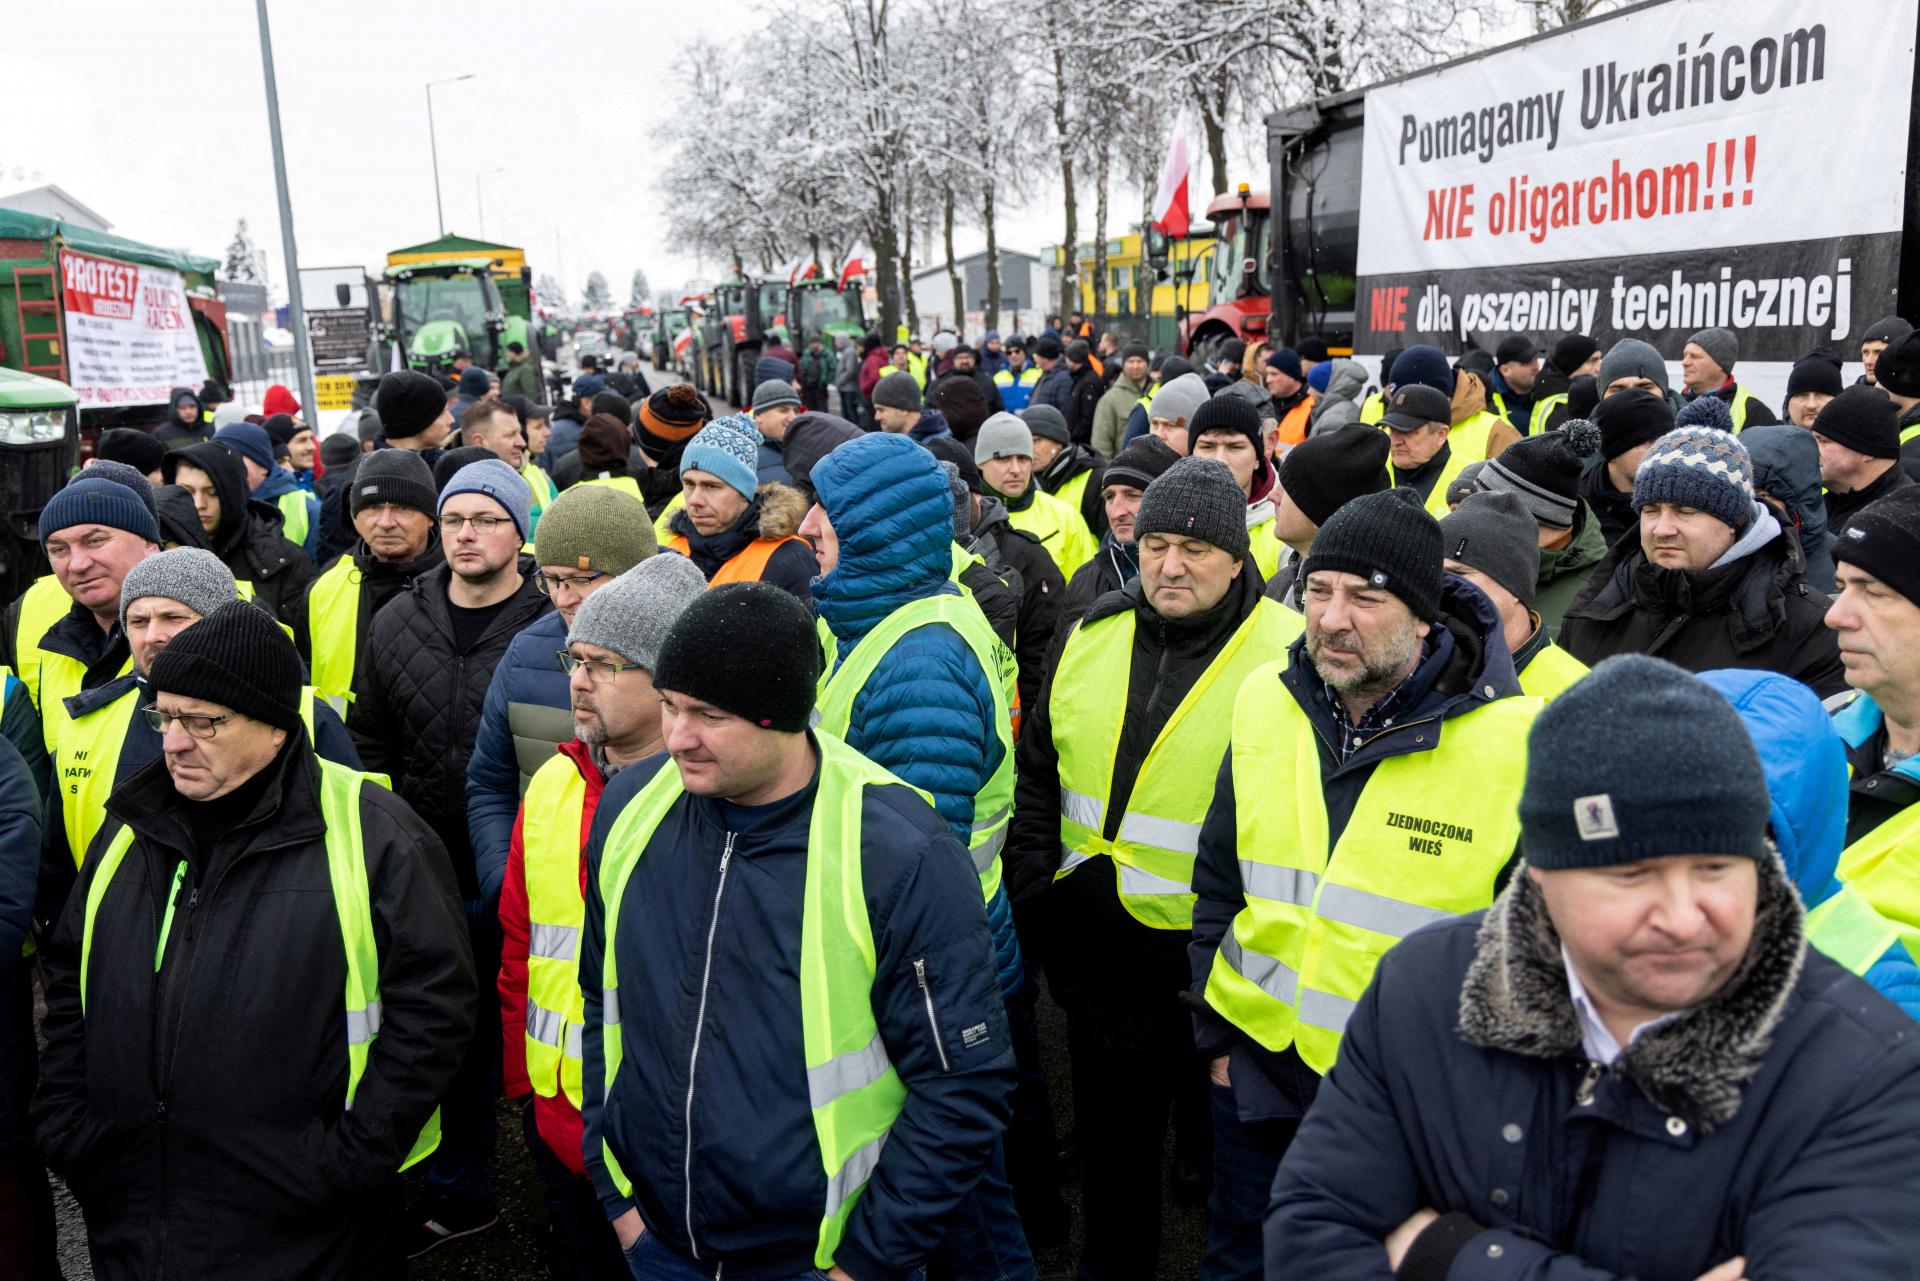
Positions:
{"x": 479, "y": 200}
{"x": 433, "y": 142}
{"x": 296, "y": 309}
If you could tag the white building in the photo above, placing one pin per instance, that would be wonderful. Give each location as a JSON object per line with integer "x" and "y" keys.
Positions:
{"x": 1023, "y": 295}
{"x": 51, "y": 202}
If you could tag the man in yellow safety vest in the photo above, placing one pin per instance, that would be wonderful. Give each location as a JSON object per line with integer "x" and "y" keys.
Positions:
{"x": 1876, "y": 613}
{"x": 1490, "y": 541}
{"x": 1004, "y": 453}
{"x": 63, "y": 634}
{"x": 1106, "y": 821}
{"x": 786, "y": 970}
{"x": 1371, "y": 786}
{"x": 611, "y": 650}
{"x": 262, "y": 972}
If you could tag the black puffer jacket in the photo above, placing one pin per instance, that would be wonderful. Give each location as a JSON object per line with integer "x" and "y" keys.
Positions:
{"x": 417, "y": 703}
{"x": 1113, "y": 567}
{"x": 1024, "y": 565}
{"x": 196, "y": 1109}
{"x": 248, "y": 538}
{"x": 1756, "y": 612}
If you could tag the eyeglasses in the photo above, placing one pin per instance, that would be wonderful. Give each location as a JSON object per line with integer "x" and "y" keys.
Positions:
{"x": 599, "y": 670}
{"x": 197, "y": 726}
{"x": 551, "y": 583}
{"x": 482, "y": 525}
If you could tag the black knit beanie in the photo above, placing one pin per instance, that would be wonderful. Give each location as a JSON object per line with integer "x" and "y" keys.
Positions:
{"x": 1196, "y": 498}
{"x": 1629, "y": 418}
{"x": 1323, "y": 473}
{"x": 1224, "y": 413}
{"x": 1883, "y": 538}
{"x": 1388, "y": 539}
{"x": 238, "y": 657}
{"x": 1862, "y": 419}
{"x": 746, "y": 648}
{"x": 1640, "y": 759}
{"x": 1571, "y": 352}
{"x": 397, "y": 476}
{"x": 1545, "y": 471}
{"x": 408, "y": 403}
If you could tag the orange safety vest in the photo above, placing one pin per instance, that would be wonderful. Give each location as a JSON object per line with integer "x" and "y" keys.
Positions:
{"x": 745, "y": 566}
{"x": 1293, "y": 427}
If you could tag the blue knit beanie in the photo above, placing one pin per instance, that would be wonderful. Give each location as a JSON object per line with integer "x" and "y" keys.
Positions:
{"x": 1701, "y": 468}
{"x": 93, "y": 500}
{"x": 1319, "y": 376}
{"x": 497, "y": 481}
{"x": 248, "y": 441}
{"x": 730, "y": 449}
{"x": 1640, "y": 759}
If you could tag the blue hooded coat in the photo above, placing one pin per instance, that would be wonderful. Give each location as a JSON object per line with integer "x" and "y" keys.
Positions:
{"x": 1805, "y": 761}
{"x": 926, "y": 712}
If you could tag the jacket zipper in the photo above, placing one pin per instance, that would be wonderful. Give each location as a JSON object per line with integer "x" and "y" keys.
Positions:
{"x": 699, "y": 1023}
{"x": 933, "y": 1018}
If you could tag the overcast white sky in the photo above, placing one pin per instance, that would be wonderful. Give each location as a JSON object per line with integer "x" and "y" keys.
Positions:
{"x": 153, "y": 114}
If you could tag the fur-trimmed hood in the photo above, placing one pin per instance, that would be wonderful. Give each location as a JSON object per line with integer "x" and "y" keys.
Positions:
{"x": 782, "y": 508}
{"x": 1515, "y": 998}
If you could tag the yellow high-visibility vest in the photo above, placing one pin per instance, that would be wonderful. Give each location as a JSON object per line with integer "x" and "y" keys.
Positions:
{"x": 552, "y": 837}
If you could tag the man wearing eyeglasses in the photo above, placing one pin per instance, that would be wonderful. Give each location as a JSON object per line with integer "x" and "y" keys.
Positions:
{"x": 393, "y": 501}
{"x": 591, "y": 535}
{"x": 431, "y": 654}
{"x": 107, "y": 736}
{"x": 256, "y": 993}
{"x": 610, "y": 650}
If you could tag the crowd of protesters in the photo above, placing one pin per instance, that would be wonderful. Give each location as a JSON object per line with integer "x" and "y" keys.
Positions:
{"x": 1469, "y": 818}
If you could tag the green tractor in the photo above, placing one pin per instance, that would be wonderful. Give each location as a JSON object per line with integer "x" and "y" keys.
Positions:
{"x": 456, "y": 294}
{"x": 818, "y": 308}
{"x": 39, "y": 427}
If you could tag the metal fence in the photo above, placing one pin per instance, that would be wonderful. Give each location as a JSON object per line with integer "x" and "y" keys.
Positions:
{"x": 256, "y": 369}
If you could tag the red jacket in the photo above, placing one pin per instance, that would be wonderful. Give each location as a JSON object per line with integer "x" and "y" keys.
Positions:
{"x": 870, "y": 368}
{"x": 556, "y": 1119}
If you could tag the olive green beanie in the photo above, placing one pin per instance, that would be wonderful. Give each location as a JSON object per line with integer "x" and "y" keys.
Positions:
{"x": 594, "y": 529}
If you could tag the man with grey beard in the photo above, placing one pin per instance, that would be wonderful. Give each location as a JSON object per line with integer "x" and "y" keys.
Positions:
{"x": 1371, "y": 786}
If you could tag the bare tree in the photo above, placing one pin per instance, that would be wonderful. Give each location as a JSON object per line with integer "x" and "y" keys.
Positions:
{"x": 1549, "y": 15}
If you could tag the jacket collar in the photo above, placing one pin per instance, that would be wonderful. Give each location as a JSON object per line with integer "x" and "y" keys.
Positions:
{"x": 1515, "y": 998}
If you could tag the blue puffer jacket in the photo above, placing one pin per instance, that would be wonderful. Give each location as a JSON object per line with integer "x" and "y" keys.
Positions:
{"x": 526, "y": 715}
{"x": 1806, "y": 764}
{"x": 281, "y": 481}
{"x": 926, "y": 712}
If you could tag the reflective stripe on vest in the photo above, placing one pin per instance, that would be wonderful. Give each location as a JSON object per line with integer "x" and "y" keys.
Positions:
{"x": 993, "y": 803}
{"x": 552, "y": 835}
{"x": 1848, "y": 929}
{"x": 1060, "y": 528}
{"x": 293, "y": 514}
{"x": 1029, "y": 377}
{"x": 1542, "y": 410}
{"x": 854, "y": 1092}
{"x": 1549, "y": 672}
{"x": 333, "y": 630}
{"x": 1428, "y": 836}
{"x": 1158, "y": 836}
{"x": 347, "y": 870}
{"x": 43, "y": 605}
{"x": 747, "y": 565}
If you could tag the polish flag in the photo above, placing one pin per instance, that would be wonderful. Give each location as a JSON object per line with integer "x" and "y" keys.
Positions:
{"x": 857, "y": 264}
{"x": 1170, "y": 214}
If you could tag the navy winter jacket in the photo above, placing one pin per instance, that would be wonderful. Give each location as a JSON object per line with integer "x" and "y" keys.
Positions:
{"x": 926, "y": 713}
{"x": 526, "y": 715}
{"x": 1774, "y": 1121}
{"x": 710, "y": 1116}
{"x": 19, "y": 860}
{"x": 281, "y": 481}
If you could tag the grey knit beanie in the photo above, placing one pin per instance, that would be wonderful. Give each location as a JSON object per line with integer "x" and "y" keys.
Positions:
{"x": 897, "y": 390}
{"x": 632, "y": 614}
{"x": 1698, "y": 467}
{"x": 1180, "y": 399}
{"x": 773, "y": 393}
{"x": 497, "y": 481}
{"x": 397, "y": 476}
{"x": 962, "y": 500}
{"x": 1465, "y": 485}
{"x": 1047, "y": 423}
{"x": 1496, "y": 534}
{"x": 1631, "y": 358}
{"x": 1640, "y": 759}
{"x": 1003, "y": 436}
{"x": 1720, "y": 343}
{"x": 197, "y": 579}
{"x": 1196, "y": 498}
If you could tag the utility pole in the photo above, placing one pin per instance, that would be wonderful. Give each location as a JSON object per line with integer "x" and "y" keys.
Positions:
{"x": 297, "y": 312}
{"x": 433, "y": 143}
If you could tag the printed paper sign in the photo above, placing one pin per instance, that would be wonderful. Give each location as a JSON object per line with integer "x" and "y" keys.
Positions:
{"x": 130, "y": 334}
